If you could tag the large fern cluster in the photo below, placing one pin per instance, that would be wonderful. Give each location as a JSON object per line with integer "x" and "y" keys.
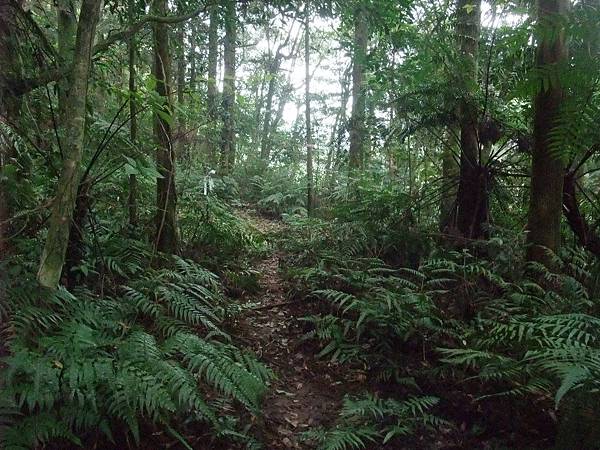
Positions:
{"x": 219, "y": 235}
{"x": 375, "y": 310}
{"x": 538, "y": 335}
{"x": 84, "y": 368}
{"x": 520, "y": 329}
{"x": 367, "y": 421}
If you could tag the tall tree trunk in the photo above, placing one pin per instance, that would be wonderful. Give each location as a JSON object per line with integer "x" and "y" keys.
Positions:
{"x": 283, "y": 101}
{"x": 274, "y": 65}
{"x": 310, "y": 198}
{"x": 472, "y": 198}
{"x": 10, "y": 107}
{"x": 213, "y": 114}
{"x": 180, "y": 36}
{"x": 192, "y": 56}
{"x": 67, "y": 30}
{"x": 547, "y": 170}
{"x": 265, "y": 144}
{"x": 340, "y": 119}
{"x": 357, "y": 121}
{"x": 586, "y": 236}
{"x": 133, "y": 185}
{"x": 228, "y": 132}
{"x": 166, "y": 198}
{"x": 450, "y": 172}
{"x": 73, "y": 125}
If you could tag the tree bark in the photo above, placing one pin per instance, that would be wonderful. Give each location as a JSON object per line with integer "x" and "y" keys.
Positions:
{"x": 472, "y": 197}
{"x": 132, "y": 207}
{"x": 213, "y": 114}
{"x": 180, "y": 138}
{"x": 166, "y": 198}
{"x": 265, "y": 144}
{"x": 10, "y": 107}
{"x": 340, "y": 119}
{"x": 53, "y": 255}
{"x": 357, "y": 121}
{"x": 67, "y": 30}
{"x": 310, "y": 199}
{"x": 228, "y": 131}
{"x": 450, "y": 173}
{"x": 587, "y": 238}
{"x": 547, "y": 170}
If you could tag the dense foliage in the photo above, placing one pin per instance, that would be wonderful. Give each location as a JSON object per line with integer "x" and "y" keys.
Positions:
{"x": 412, "y": 184}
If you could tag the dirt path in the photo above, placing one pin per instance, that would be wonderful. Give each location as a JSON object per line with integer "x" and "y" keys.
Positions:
{"x": 307, "y": 392}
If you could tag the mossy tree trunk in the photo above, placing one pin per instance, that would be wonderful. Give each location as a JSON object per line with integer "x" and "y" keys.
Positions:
{"x": 73, "y": 130}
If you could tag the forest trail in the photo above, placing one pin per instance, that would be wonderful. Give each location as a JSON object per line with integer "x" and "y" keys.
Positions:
{"x": 307, "y": 392}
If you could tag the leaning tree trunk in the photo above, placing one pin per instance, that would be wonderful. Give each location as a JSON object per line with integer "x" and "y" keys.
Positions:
{"x": 547, "y": 170}
{"x": 357, "y": 121}
{"x": 472, "y": 197}
{"x": 310, "y": 198}
{"x": 166, "y": 199}
{"x": 228, "y": 131}
{"x": 73, "y": 125}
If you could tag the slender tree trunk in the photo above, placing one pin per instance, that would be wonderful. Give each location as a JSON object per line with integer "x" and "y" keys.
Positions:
{"x": 228, "y": 132}
{"x": 340, "y": 120}
{"x": 265, "y": 142}
{"x": 192, "y": 56}
{"x": 283, "y": 100}
{"x": 310, "y": 198}
{"x": 133, "y": 185}
{"x": 53, "y": 255}
{"x": 547, "y": 170}
{"x": 357, "y": 121}
{"x": 166, "y": 198}
{"x": 259, "y": 94}
{"x": 472, "y": 198}
{"x": 180, "y": 47}
{"x": 450, "y": 173}
{"x": 213, "y": 54}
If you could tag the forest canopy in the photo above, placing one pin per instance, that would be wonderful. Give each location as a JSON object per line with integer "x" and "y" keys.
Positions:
{"x": 332, "y": 224}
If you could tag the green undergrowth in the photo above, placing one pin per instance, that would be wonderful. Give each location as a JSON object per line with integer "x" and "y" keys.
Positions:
{"x": 150, "y": 353}
{"x": 515, "y": 331}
